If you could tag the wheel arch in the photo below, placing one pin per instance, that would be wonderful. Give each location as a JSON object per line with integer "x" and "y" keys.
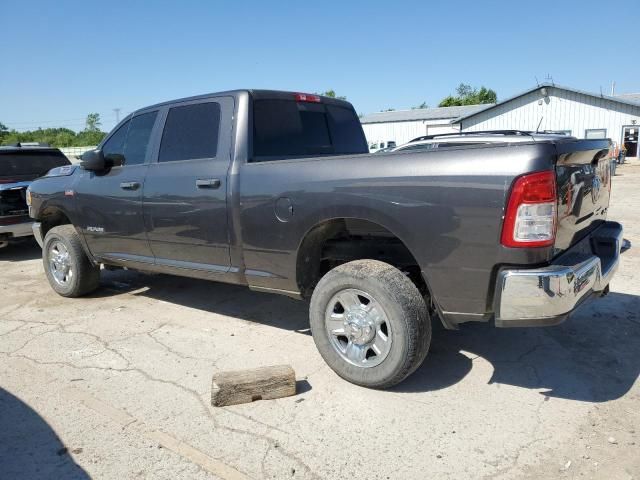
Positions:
{"x": 345, "y": 235}
{"x": 53, "y": 216}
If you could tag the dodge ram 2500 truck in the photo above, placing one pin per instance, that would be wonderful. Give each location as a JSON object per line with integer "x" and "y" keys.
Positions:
{"x": 277, "y": 191}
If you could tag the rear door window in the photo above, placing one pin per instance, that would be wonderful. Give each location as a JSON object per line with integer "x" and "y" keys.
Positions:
{"x": 286, "y": 128}
{"x": 191, "y": 132}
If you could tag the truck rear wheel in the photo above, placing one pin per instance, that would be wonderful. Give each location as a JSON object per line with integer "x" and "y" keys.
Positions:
{"x": 69, "y": 271}
{"x": 370, "y": 323}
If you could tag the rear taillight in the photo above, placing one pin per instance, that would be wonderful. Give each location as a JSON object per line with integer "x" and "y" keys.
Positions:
{"x": 306, "y": 97}
{"x": 530, "y": 218}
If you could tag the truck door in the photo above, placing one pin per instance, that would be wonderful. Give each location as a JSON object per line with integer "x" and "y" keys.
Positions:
{"x": 110, "y": 203}
{"x": 185, "y": 192}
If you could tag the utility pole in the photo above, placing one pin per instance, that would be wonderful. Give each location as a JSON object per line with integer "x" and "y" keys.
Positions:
{"x": 117, "y": 112}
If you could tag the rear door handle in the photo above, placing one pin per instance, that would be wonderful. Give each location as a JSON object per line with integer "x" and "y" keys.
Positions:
{"x": 130, "y": 185}
{"x": 208, "y": 183}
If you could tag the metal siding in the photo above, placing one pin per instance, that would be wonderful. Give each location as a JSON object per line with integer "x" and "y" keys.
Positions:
{"x": 402, "y": 132}
{"x": 418, "y": 114}
{"x": 564, "y": 110}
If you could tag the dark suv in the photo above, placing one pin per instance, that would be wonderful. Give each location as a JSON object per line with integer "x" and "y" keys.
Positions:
{"x": 19, "y": 165}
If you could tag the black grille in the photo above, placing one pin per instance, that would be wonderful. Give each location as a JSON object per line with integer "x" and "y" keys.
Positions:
{"x": 13, "y": 202}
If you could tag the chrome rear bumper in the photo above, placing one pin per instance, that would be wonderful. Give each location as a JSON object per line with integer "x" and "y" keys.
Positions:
{"x": 546, "y": 296}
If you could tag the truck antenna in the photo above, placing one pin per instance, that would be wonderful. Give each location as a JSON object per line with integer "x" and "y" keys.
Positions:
{"x": 539, "y": 123}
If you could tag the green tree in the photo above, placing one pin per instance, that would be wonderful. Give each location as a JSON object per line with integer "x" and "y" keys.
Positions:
{"x": 468, "y": 95}
{"x": 92, "y": 123}
{"x": 422, "y": 105}
{"x": 56, "y": 137}
{"x": 331, "y": 94}
{"x": 3, "y": 131}
{"x": 86, "y": 138}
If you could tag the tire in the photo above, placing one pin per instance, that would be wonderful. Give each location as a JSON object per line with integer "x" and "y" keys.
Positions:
{"x": 69, "y": 270}
{"x": 377, "y": 296}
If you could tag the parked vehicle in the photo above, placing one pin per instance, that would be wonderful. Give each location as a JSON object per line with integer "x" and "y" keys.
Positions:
{"x": 466, "y": 139}
{"x": 276, "y": 191}
{"x": 378, "y": 146}
{"x": 19, "y": 165}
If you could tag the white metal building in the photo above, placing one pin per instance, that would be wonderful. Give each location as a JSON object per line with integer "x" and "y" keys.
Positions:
{"x": 400, "y": 126}
{"x": 553, "y": 107}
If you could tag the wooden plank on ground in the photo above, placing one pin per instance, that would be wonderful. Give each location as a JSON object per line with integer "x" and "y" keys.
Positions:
{"x": 245, "y": 386}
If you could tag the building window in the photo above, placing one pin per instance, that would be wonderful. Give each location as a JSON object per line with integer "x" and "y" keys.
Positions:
{"x": 595, "y": 133}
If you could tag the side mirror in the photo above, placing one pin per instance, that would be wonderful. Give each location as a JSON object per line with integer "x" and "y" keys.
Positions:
{"x": 114, "y": 160}
{"x": 96, "y": 161}
{"x": 93, "y": 160}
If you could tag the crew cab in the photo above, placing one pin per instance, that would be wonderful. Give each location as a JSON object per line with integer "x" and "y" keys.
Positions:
{"x": 277, "y": 191}
{"x": 19, "y": 165}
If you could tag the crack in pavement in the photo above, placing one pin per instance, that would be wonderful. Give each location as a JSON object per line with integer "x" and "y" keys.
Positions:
{"x": 128, "y": 368}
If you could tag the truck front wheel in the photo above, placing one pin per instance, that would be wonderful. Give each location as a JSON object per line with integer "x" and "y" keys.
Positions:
{"x": 370, "y": 323}
{"x": 69, "y": 271}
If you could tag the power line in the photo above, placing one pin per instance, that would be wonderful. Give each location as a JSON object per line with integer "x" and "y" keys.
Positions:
{"x": 74, "y": 121}
{"x": 35, "y": 122}
{"x": 49, "y": 124}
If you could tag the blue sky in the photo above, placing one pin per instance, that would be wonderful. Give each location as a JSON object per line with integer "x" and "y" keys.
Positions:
{"x": 62, "y": 60}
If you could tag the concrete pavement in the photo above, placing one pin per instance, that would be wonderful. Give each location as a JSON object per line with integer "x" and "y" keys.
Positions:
{"x": 117, "y": 385}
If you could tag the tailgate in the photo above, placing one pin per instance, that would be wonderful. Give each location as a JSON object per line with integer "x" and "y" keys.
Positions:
{"x": 583, "y": 172}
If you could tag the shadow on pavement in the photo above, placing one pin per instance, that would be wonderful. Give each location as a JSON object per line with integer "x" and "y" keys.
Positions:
{"x": 224, "y": 299}
{"x": 592, "y": 357}
{"x": 19, "y": 251}
{"x": 29, "y": 448}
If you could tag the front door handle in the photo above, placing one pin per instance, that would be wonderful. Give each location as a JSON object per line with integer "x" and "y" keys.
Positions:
{"x": 130, "y": 185}
{"x": 208, "y": 183}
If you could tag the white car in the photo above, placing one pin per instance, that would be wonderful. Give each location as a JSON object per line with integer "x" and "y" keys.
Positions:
{"x": 378, "y": 146}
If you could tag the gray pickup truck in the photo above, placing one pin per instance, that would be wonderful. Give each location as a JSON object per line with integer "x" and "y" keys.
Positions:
{"x": 277, "y": 191}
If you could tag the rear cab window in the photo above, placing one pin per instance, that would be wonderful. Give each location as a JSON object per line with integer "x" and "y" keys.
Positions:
{"x": 286, "y": 128}
{"x": 30, "y": 163}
